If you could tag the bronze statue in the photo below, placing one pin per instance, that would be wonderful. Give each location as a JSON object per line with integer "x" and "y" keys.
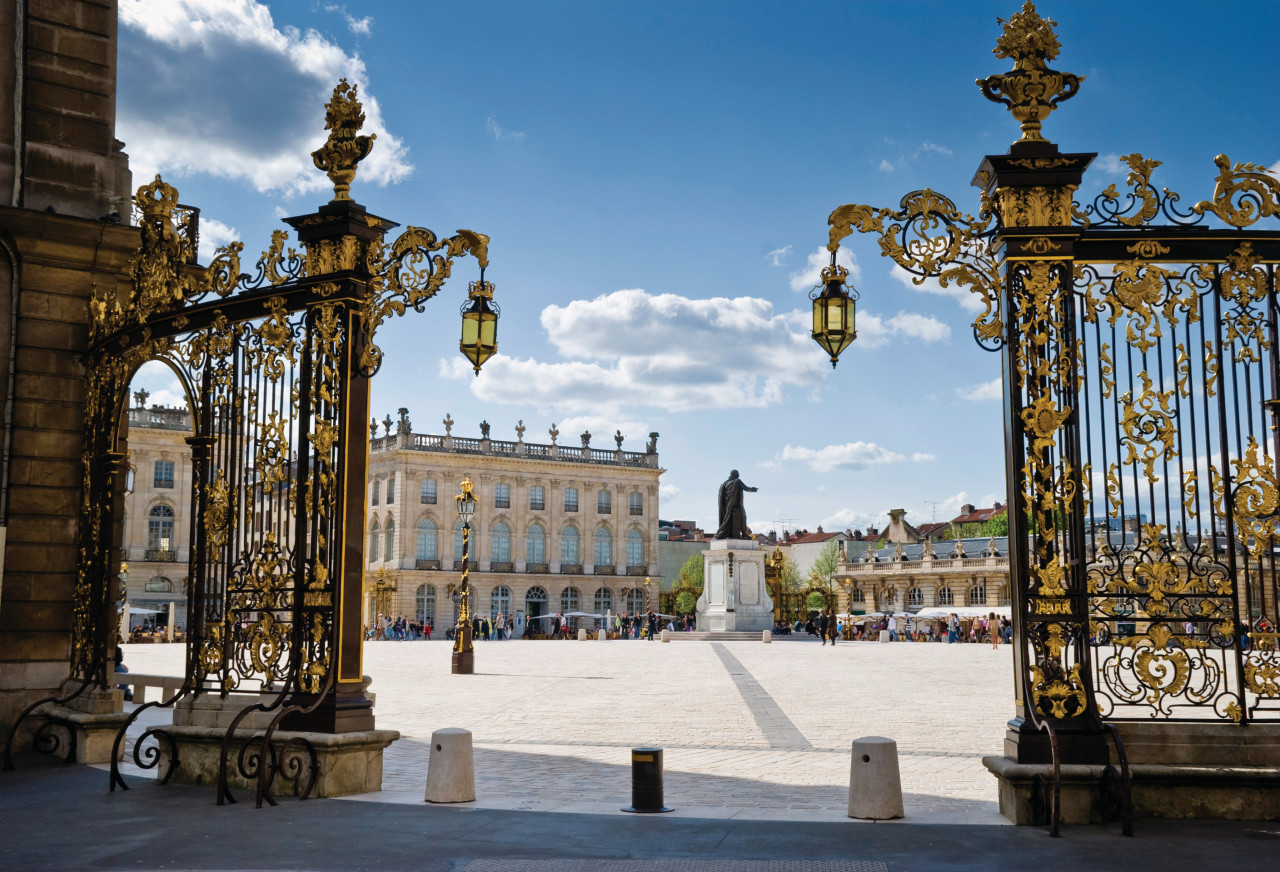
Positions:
{"x": 733, "y": 517}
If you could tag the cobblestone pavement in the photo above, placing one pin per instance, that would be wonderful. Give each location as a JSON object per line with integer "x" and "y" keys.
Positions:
{"x": 750, "y": 730}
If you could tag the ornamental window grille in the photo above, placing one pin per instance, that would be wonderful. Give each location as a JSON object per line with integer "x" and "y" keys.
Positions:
{"x": 570, "y": 599}
{"x": 535, "y": 544}
{"x": 428, "y": 546}
{"x": 570, "y": 546}
{"x": 428, "y": 495}
{"x": 633, "y": 601}
{"x": 500, "y": 547}
{"x": 603, "y": 547}
{"x": 164, "y": 473}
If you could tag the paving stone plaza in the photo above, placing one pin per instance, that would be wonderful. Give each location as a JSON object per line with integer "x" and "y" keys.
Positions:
{"x": 750, "y": 731}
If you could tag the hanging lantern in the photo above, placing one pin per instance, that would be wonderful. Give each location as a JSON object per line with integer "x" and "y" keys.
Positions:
{"x": 466, "y": 500}
{"x": 479, "y": 323}
{"x": 833, "y": 312}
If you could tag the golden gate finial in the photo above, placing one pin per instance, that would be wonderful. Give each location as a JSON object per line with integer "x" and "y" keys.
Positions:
{"x": 1031, "y": 90}
{"x": 344, "y": 149}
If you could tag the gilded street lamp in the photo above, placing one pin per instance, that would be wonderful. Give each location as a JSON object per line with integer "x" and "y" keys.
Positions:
{"x": 479, "y": 323}
{"x": 463, "y": 652}
{"x": 833, "y": 311}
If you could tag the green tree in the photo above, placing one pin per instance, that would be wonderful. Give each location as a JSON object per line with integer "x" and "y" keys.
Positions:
{"x": 823, "y": 573}
{"x": 997, "y": 526}
{"x": 690, "y": 574}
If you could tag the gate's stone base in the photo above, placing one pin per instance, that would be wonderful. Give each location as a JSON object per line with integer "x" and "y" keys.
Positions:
{"x": 92, "y": 720}
{"x": 1214, "y": 771}
{"x": 348, "y": 762}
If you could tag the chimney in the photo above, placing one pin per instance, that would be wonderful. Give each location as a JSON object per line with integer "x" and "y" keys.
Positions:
{"x": 997, "y": 506}
{"x": 966, "y": 509}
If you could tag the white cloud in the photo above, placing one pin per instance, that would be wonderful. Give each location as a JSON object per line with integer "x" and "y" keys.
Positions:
{"x": 778, "y": 255}
{"x": 921, "y": 457}
{"x": 851, "y": 455}
{"x": 212, "y": 234}
{"x": 985, "y": 392}
{"x": 602, "y": 428}
{"x": 632, "y": 348}
{"x": 1110, "y": 164}
{"x": 161, "y": 385}
{"x": 808, "y": 277}
{"x": 885, "y": 166}
{"x": 968, "y": 300}
{"x": 667, "y": 491}
{"x": 844, "y": 519}
{"x": 498, "y": 133}
{"x": 934, "y": 147}
{"x": 875, "y": 331}
{"x": 215, "y": 87}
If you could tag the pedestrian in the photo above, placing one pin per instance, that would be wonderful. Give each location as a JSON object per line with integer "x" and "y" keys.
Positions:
{"x": 993, "y": 627}
{"x": 653, "y": 625}
{"x": 426, "y": 629}
{"x": 823, "y": 620}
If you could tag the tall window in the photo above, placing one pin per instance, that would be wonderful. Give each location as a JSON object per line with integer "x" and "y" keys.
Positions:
{"x": 570, "y": 552}
{"x": 637, "y": 503}
{"x": 428, "y": 492}
{"x": 500, "y": 601}
{"x": 978, "y": 594}
{"x": 537, "y": 502}
{"x": 391, "y": 490}
{"x": 604, "y": 502}
{"x": 604, "y": 547}
{"x": 159, "y": 584}
{"x": 535, "y": 544}
{"x": 633, "y": 602}
{"x": 373, "y": 496}
{"x": 569, "y": 600}
{"x": 571, "y": 499}
{"x": 500, "y": 549}
{"x": 945, "y": 598}
{"x": 427, "y": 549}
{"x": 389, "y": 552}
{"x": 374, "y": 539}
{"x": 859, "y": 596}
{"x": 635, "y": 548}
{"x": 502, "y": 496}
{"x": 164, "y": 473}
{"x": 160, "y": 529}
{"x": 604, "y": 600}
{"x": 425, "y": 604}
{"x": 915, "y": 597}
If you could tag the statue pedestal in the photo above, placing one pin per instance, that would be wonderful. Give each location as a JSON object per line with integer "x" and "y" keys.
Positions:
{"x": 734, "y": 595}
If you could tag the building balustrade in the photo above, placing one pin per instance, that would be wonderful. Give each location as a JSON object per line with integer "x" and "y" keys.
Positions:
{"x": 571, "y": 569}
{"x": 604, "y": 570}
{"x": 637, "y": 570}
{"x": 426, "y": 564}
{"x": 161, "y": 555}
{"x": 501, "y": 566}
{"x": 537, "y": 567}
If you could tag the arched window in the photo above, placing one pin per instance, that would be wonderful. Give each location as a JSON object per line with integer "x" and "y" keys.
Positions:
{"x": 500, "y": 547}
{"x": 859, "y": 597}
{"x": 425, "y": 604}
{"x": 633, "y": 600}
{"x": 389, "y": 552}
{"x": 500, "y": 602}
{"x": 604, "y": 547}
{"x": 159, "y": 584}
{"x": 635, "y": 548}
{"x": 569, "y": 600}
{"x": 535, "y": 544}
{"x": 604, "y": 601}
{"x": 160, "y": 530}
{"x": 570, "y": 550}
{"x": 374, "y": 539}
{"x": 945, "y": 598}
{"x": 535, "y": 594}
{"x": 915, "y": 597}
{"x": 884, "y": 599}
{"x": 427, "y": 545}
{"x": 977, "y": 594}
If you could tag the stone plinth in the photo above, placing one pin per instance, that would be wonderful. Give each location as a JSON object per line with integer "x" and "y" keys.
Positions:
{"x": 88, "y": 723}
{"x": 734, "y": 595}
{"x": 1179, "y": 770}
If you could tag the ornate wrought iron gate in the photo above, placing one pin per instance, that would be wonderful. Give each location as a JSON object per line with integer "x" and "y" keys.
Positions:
{"x": 1140, "y": 366}
{"x": 276, "y": 366}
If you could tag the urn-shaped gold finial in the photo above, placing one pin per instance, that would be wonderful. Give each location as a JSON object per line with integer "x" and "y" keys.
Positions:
{"x": 344, "y": 149}
{"x": 1031, "y": 90}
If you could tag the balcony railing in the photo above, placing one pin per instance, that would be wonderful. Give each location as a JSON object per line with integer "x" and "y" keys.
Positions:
{"x": 604, "y": 570}
{"x": 537, "y": 505}
{"x": 426, "y": 564}
{"x": 160, "y": 555}
{"x": 472, "y": 565}
{"x": 637, "y": 570}
{"x": 571, "y": 507}
{"x": 502, "y": 566}
{"x": 537, "y": 567}
{"x": 637, "y": 510}
{"x": 499, "y": 503}
{"x": 571, "y": 569}
{"x": 604, "y": 510}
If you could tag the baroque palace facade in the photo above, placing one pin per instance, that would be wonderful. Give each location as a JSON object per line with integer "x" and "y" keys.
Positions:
{"x": 558, "y": 528}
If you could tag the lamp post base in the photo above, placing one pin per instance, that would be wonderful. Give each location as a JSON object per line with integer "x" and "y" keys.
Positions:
{"x": 464, "y": 663}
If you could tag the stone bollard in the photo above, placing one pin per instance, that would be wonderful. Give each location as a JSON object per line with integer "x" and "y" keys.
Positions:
{"x": 582, "y": 634}
{"x": 601, "y": 635}
{"x": 766, "y": 636}
{"x": 884, "y": 635}
{"x": 875, "y": 787}
{"x": 666, "y": 635}
{"x": 451, "y": 770}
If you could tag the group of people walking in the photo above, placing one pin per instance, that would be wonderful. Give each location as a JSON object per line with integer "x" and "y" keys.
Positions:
{"x": 398, "y": 629}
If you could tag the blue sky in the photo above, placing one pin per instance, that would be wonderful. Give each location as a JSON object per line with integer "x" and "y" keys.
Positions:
{"x": 655, "y": 178}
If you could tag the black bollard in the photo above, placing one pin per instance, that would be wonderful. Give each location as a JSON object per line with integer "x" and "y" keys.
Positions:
{"x": 646, "y": 781}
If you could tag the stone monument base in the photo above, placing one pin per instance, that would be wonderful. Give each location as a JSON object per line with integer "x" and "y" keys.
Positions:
{"x": 84, "y": 729}
{"x": 734, "y": 596}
